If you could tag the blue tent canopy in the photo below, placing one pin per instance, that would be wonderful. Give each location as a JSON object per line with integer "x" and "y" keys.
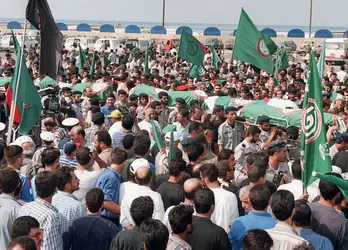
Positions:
{"x": 345, "y": 34}
{"x": 269, "y": 32}
{"x": 62, "y": 26}
{"x": 181, "y": 28}
{"x": 212, "y": 31}
{"x": 323, "y": 33}
{"x": 296, "y": 33}
{"x": 107, "y": 28}
{"x": 83, "y": 27}
{"x": 132, "y": 29}
{"x": 32, "y": 27}
{"x": 159, "y": 30}
{"x": 234, "y": 32}
{"x": 14, "y": 25}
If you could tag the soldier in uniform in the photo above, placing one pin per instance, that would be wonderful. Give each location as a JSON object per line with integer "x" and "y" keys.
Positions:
{"x": 265, "y": 128}
{"x": 278, "y": 165}
{"x": 245, "y": 148}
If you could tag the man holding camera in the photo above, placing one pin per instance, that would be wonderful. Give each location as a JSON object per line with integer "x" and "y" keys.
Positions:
{"x": 278, "y": 168}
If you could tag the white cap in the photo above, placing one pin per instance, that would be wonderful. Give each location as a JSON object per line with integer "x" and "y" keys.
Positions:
{"x": 21, "y": 140}
{"x": 138, "y": 163}
{"x": 175, "y": 136}
{"x": 336, "y": 169}
{"x": 70, "y": 122}
{"x": 2, "y": 126}
{"x": 249, "y": 81}
{"x": 47, "y": 136}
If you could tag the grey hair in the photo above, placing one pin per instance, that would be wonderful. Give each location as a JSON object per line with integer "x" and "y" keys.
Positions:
{"x": 244, "y": 191}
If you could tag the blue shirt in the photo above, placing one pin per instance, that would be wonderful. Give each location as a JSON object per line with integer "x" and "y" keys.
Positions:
{"x": 107, "y": 111}
{"x": 27, "y": 193}
{"x": 317, "y": 241}
{"x": 110, "y": 181}
{"x": 253, "y": 220}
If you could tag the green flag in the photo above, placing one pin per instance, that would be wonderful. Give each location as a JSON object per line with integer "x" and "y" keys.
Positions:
{"x": 196, "y": 71}
{"x": 284, "y": 60}
{"x": 340, "y": 183}
{"x": 16, "y": 45}
{"x": 82, "y": 57}
{"x": 160, "y": 145}
{"x": 106, "y": 61}
{"x": 191, "y": 49}
{"x": 146, "y": 62}
{"x": 252, "y": 46}
{"x": 276, "y": 67}
{"x": 238, "y": 66}
{"x": 215, "y": 59}
{"x": 46, "y": 82}
{"x": 28, "y": 106}
{"x": 321, "y": 62}
{"x": 172, "y": 153}
{"x": 132, "y": 54}
{"x": 91, "y": 71}
{"x": 314, "y": 147}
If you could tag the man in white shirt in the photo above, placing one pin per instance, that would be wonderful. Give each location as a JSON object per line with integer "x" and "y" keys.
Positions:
{"x": 87, "y": 178}
{"x": 182, "y": 123}
{"x": 341, "y": 144}
{"x": 112, "y": 56}
{"x": 146, "y": 125}
{"x": 296, "y": 186}
{"x": 143, "y": 176}
{"x": 283, "y": 235}
{"x": 116, "y": 119}
{"x": 341, "y": 75}
{"x": 226, "y": 205}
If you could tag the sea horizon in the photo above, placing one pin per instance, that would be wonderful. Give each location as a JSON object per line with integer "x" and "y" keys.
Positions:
{"x": 226, "y": 29}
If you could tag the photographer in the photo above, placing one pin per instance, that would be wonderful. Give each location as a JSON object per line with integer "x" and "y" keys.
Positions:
{"x": 278, "y": 168}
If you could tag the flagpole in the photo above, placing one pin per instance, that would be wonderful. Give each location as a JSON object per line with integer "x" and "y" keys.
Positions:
{"x": 164, "y": 12}
{"x": 310, "y": 18}
{"x": 14, "y": 100}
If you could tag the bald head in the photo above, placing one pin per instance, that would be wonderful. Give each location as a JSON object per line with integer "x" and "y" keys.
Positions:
{"x": 77, "y": 134}
{"x": 150, "y": 113}
{"x": 190, "y": 187}
{"x": 143, "y": 176}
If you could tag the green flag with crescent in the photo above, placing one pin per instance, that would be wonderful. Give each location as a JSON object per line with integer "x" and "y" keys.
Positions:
{"x": 314, "y": 147}
{"x": 191, "y": 49}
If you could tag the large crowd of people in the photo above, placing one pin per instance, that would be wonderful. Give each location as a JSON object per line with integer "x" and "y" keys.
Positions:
{"x": 94, "y": 176}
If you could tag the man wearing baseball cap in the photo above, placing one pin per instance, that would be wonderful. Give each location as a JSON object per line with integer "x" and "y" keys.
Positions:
{"x": 116, "y": 119}
{"x": 341, "y": 144}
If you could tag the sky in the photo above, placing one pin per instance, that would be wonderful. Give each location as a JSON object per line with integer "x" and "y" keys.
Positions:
{"x": 266, "y": 12}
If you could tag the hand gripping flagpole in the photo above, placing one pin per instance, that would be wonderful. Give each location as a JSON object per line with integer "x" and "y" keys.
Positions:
{"x": 14, "y": 100}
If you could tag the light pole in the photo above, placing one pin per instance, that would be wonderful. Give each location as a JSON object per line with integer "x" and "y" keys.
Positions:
{"x": 164, "y": 12}
{"x": 310, "y": 18}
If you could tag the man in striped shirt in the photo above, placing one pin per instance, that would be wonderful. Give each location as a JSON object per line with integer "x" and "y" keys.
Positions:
{"x": 283, "y": 235}
{"x": 69, "y": 157}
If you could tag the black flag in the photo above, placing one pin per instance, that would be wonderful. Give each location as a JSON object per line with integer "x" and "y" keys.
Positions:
{"x": 39, "y": 15}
